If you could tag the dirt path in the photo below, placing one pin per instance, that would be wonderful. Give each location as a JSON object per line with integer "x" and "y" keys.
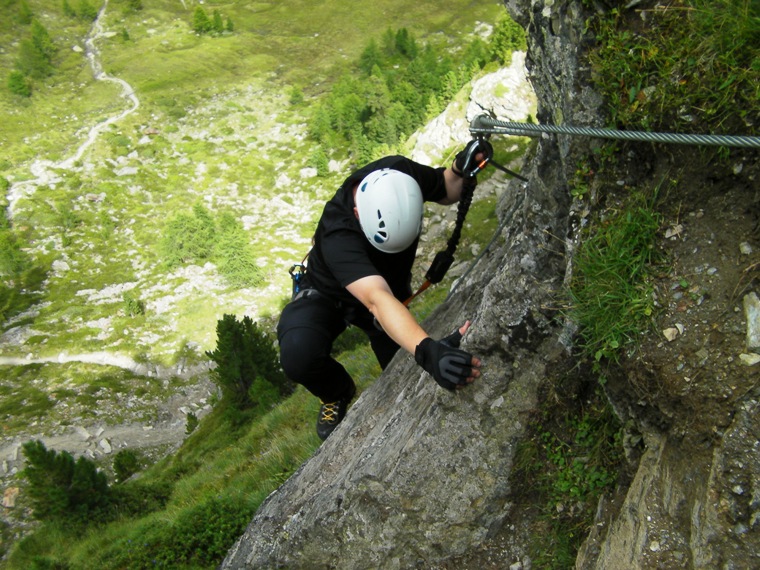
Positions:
{"x": 44, "y": 170}
{"x": 109, "y": 359}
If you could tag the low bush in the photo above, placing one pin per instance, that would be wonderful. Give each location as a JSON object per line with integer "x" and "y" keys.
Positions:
{"x": 62, "y": 488}
{"x": 125, "y": 464}
{"x": 247, "y": 365}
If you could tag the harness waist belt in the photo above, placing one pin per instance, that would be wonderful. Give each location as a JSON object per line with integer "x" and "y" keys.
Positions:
{"x": 306, "y": 293}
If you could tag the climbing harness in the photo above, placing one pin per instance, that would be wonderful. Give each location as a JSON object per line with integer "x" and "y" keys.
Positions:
{"x": 485, "y": 125}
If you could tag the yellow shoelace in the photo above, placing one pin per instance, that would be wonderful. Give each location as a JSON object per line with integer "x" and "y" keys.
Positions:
{"x": 329, "y": 412}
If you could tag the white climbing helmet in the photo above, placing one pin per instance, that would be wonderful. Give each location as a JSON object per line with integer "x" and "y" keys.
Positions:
{"x": 389, "y": 203}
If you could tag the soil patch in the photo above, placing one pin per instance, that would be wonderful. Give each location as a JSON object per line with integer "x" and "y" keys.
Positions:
{"x": 690, "y": 370}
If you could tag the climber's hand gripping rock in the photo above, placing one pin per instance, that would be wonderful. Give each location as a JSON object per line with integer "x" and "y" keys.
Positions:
{"x": 451, "y": 367}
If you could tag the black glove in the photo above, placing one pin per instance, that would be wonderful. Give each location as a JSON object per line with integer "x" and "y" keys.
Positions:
{"x": 443, "y": 360}
{"x": 465, "y": 161}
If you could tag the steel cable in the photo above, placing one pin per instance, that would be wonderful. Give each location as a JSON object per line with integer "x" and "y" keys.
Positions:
{"x": 484, "y": 124}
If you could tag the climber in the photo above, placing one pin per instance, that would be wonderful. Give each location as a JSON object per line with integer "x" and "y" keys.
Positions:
{"x": 359, "y": 271}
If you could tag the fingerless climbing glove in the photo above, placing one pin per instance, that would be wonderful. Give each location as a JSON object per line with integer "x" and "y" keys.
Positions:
{"x": 443, "y": 360}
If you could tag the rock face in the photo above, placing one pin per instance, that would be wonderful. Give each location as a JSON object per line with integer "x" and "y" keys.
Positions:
{"x": 419, "y": 477}
{"x": 414, "y": 474}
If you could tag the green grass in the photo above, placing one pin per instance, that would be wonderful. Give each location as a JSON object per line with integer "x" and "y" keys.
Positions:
{"x": 208, "y": 104}
{"x": 229, "y": 460}
{"x": 611, "y": 288}
{"x": 572, "y": 456}
{"x": 50, "y": 394}
{"x": 694, "y": 66}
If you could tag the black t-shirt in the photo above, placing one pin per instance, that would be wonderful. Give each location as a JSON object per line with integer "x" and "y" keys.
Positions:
{"x": 342, "y": 254}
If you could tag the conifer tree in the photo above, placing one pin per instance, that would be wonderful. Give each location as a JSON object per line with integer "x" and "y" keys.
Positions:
{"x": 62, "y": 488}
{"x": 188, "y": 238}
{"x": 230, "y": 27}
{"x": 320, "y": 162}
{"x": 25, "y": 14}
{"x": 201, "y": 23}
{"x": 18, "y": 84}
{"x": 125, "y": 464}
{"x": 370, "y": 57}
{"x": 233, "y": 254}
{"x": 13, "y": 259}
{"x": 35, "y": 57}
{"x": 507, "y": 37}
{"x": 389, "y": 42}
{"x": 296, "y": 96}
{"x": 42, "y": 41}
{"x": 406, "y": 44}
{"x": 245, "y": 358}
{"x": 217, "y": 26}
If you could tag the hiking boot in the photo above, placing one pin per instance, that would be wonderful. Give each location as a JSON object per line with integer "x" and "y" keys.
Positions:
{"x": 332, "y": 413}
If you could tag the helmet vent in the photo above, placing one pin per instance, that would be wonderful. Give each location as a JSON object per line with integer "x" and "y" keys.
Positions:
{"x": 389, "y": 208}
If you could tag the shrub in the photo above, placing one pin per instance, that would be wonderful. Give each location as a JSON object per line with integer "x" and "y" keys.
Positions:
{"x": 191, "y": 423}
{"x": 61, "y": 488}
{"x": 217, "y": 24}
{"x": 507, "y": 37}
{"x": 234, "y": 255}
{"x": 136, "y": 498}
{"x": 188, "y": 238}
{"x": 247, "y": 364}
{"x": 18, "y": 84}
{"x": 296, "y": 96}
{"x": 13, "y": 260}
{"x": 320, "y": 162}
{"x": 125, "y": 464}
{"x": 35, "y": 57}
{"x": 199, "y": 537}
{"x": 201, "y": 22}
{"x": 133, "y": 306}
